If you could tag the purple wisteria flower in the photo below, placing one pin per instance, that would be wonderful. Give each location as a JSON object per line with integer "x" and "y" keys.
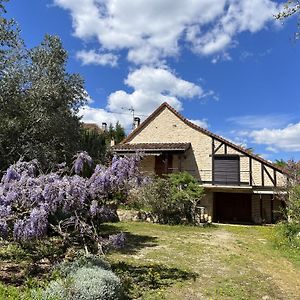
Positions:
{"x": 117, "y": 240}
{"x": 33, "y": 227}
{"x": 80, "y": 159}
{"x": 31, "y": 203}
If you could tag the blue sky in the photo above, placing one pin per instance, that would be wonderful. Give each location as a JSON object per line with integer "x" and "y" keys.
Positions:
{"x": 225, "y": 64}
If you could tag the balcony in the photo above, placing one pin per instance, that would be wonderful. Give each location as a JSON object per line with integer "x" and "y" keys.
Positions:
{"x": 225, "y": 178}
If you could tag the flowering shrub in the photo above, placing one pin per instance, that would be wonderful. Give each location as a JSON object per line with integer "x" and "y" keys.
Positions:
{"x": 34, "y": 204}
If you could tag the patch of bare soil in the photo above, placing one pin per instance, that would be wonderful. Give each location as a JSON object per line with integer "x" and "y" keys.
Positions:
{"x": 17, "y": 273}
{"x": 222, "y": 238}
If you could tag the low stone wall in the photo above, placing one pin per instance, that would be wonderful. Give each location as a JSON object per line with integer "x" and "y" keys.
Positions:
{"x": 135, "y": 215}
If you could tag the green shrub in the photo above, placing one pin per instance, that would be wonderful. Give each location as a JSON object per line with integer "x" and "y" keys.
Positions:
{"x": 293, "y": 204}
{"x": 85, "y": 284}
{"x": 156, "y": 198}
{"x": 86, "y": 278}
{"x": 56, "y": 290}
{"x": 172, "y": 199}
{"x": 288, "y": 233}
{"x": 89, "y": 261}
{"x": 187, "y": 191}
{"x": 96, "y": 284}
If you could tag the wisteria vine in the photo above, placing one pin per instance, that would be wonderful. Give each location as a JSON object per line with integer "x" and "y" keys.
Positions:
{"x": 34, "y": 205}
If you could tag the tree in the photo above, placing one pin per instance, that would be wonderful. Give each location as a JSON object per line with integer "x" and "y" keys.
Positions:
{"x": 291, "y": 7}
{"x": 39, "y": 100}
{"x": 116, "y": 133}
{"x": 95, "y": 143}
{"x": 119, "y": 133}
{"x": 291, "y": 191}
{"x": 289, "y": 230}
{"x": 280, "y": 163}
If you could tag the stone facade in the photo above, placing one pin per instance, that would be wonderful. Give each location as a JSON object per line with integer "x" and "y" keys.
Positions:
{"x": 167, "y": 127}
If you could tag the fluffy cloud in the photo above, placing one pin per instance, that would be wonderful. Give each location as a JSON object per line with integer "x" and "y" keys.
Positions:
{"x": 286, "y": 139}
{"x": 272, "y": 131}
{"x": 98, "y": 116}
{"x": 151, "y": 87}
{"x": 201, "y": 123}
{"x": 91, "y": 57}
{"x": 151, "y": 31}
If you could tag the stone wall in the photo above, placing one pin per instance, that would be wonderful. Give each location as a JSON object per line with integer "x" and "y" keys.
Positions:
{"x": 168, "y": 128}
{"x": 265, "y": 216}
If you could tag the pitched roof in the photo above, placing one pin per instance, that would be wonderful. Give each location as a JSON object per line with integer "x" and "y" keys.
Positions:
{"x": 152, "y": 147}
{"x": 200, "y": 129}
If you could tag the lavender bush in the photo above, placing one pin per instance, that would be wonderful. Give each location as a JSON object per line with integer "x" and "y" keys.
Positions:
{"x": 34, "y": 204}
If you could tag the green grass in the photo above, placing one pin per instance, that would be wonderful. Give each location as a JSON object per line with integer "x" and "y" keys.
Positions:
{"x": 224, "y": 262}
{"x": 26, "y": 268}
{"x": 177, "y": 262}
{"x": 14, "y": 293}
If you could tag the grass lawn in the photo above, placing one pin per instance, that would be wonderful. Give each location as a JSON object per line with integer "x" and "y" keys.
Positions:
{"x": 175, "y": 262}
{"x": 222, "y": 262}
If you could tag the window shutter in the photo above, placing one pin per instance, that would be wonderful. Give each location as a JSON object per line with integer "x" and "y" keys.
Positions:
{"x": 226, "y": 169}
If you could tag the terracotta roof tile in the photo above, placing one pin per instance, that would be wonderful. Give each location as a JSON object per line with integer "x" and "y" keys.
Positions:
{"x": 152, "y": 147}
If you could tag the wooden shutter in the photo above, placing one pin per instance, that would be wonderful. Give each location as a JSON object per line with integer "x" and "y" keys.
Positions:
{"x": 226, "y": 169}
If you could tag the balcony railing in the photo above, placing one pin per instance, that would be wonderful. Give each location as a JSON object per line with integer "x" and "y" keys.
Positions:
{"x": 242, "y": 178}
{"x": 226, "y": 178}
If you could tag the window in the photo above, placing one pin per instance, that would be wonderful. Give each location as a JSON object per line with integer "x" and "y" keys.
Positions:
{"x": 226, "y": 169}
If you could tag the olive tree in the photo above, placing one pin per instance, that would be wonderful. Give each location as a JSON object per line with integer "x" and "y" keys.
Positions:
{"x": 39, "y": 99}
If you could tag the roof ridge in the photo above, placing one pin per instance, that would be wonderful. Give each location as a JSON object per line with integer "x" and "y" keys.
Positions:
{"x": 198, "y": 128}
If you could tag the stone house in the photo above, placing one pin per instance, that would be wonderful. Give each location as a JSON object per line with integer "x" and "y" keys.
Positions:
{"x": 240, "y": 187}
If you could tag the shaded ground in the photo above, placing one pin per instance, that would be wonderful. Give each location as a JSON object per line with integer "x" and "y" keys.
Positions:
{"x": 225, "y": 262}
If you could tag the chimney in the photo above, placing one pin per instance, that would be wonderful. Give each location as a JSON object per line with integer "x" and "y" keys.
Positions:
{"x": 112, "y": 142}
{"x": 136, "y": 122}
{"x": 104, "y": 126}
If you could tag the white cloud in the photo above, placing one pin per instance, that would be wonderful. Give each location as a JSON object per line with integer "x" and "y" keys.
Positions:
{"x": 151, "y": 31}
{"x": 261, "y": 121}
{"x": 153, "y": 86}
{"x": 91, "y": 57}
{"x": 286, "y": 139}
{"x": 272, "y": 149}
{"x": 225, "y": 56}
{"x": 201, "y": 123}
{"x": 88, "y": 98}
{"x": 246, "y": 55}
{"x": 99, "y": 115}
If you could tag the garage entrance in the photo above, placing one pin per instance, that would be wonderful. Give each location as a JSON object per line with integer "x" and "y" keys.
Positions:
{"x": 232, "y": 208}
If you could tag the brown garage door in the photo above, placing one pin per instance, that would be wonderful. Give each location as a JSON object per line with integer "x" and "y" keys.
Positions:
{"x": 232, "y": 207}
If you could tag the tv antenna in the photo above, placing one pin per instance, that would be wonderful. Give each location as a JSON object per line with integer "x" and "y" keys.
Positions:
{"x": 131, "y": 109}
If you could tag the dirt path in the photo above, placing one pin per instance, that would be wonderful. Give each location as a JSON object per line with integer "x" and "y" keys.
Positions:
{"x": 229, "y": 263}
{"x": 279, "y": 269}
